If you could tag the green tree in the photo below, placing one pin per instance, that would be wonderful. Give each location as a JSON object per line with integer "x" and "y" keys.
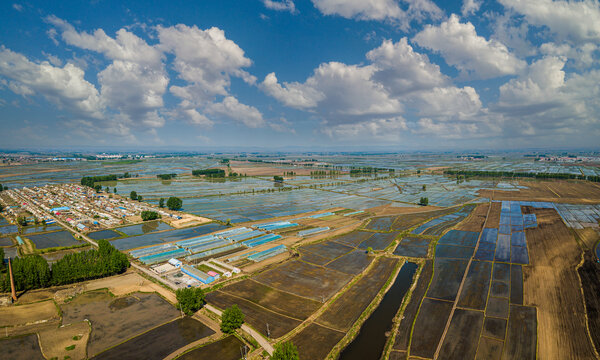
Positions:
{"x": 98, "y": 188}
{"x": 1, "y": 259}
{"x": 115, "y": 190}
{"x": 285, "y": 351}
{"x": 424, "y": 187}
{"x": 369, "y": 250}
{"x": 107, "y": 189}
{"x": 190, "y": 300}
{"x": 424, "y": 201}
{"x": 161, "y": 203}
{"x": 174, "y": 203}
{"x": 232, "y": 318}
{"x": 149, "y": 215}
{"x": 278, "y": 178}
{"x": 139, "y": 198}
{"x": 133, "y": 195}
{"x": 22, "y": 220}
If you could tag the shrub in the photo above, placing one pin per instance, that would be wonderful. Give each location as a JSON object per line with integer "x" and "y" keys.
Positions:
{"x": 285, "y": 351}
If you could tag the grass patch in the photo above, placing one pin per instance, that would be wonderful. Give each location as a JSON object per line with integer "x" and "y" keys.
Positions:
{"x": 70, "y": 347}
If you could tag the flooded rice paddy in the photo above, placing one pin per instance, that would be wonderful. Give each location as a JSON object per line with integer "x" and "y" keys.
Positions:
{"x": 54, "y": 239}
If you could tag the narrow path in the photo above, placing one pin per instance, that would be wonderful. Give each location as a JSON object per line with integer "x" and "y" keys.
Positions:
{"x": 462, "y": 283}
{"x": 258, "y": 337}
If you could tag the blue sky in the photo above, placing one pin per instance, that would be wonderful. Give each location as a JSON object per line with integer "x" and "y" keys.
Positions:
{"x": 344, "y": 74}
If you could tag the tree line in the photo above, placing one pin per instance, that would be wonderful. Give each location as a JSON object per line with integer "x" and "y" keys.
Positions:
{"x": 511, "y": 174}
{"x": 368, "y": 170}
{"x": 34, "y": 272}
{"x": 91, "y": 180}
{"x": 166, "y": 176}
{"x": 211, "y": 173}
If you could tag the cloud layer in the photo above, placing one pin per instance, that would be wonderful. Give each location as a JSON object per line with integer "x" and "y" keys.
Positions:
{"x": 521, "y": 71}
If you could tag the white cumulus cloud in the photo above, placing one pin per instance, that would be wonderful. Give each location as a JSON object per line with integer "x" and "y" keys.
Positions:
{"x": 135, "y": 82}
{"x": 64, "y": 86}
{"x": 470, "y": 7}
{"x": 232, "y": 108}
{"x": 472, "y": 54}
{"x": 578, "y": 21}
{"x": 381, "y": 10}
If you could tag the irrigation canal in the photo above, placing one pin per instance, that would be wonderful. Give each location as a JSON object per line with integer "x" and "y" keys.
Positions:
{"x": 370, "y": 342}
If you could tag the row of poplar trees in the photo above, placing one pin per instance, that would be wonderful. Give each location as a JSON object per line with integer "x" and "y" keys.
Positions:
{"x": 33, "y": 271}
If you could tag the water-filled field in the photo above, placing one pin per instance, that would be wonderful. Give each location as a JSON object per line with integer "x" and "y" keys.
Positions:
{"x": 53, "y": 239}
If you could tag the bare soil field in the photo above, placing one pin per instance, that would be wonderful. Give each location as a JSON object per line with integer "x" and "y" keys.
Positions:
{"x": 429, "y": 327}
{"x": 115, "y": 320}
{"x": 128, "y": 283}
{"x": 379, "y": 241}
{"x": 303, "y": 279}
{"x": 446, "y": 278}
{"x": 588, "y": 236}
{"x": 489, "y": 349}
{"x": 476, "y": 220}
{"x": 21, "y": 347}
{"x": 475, "y": 289}
{"x": 354, "y": 238}
{"x": 315, "y": 341}
{"x": 118, "y": 285}
{"x": 314, "y": 258}
{"x": 589, "y": 273}
{"x": 389, "y": 209}
{"x": 159, "y": 342}
{"x": 383, "y": 223}
{"x": 344, "y": 311}
{"x": 521, "y": 335}
{"x": 405, "y": 222}
{"x": 19, "y": 315}
{"x": 516, "y": 284}
{"x": 552, "y": 285}
{"x": 494, "y": 328}
{"x": 54, "y": 342}
{"x": 352, "y": 263}
{"x": 493, "y": 219}
{"x": 227, "y": 348}
{"x": 329, "y": 249}
{"x": 275, "y": 300}
{"x": 462, "y": 337}
{"x": 562, "y": 191}
{"x": 258, "y": 317}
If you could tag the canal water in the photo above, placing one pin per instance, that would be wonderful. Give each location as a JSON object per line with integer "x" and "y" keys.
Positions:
{"x": 371, "y": 339}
